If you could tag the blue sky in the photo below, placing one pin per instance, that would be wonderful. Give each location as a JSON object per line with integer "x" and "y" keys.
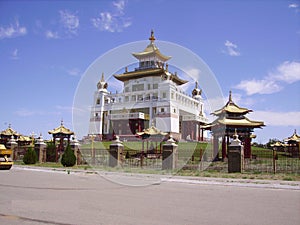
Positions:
{"x": 252, "y": 47}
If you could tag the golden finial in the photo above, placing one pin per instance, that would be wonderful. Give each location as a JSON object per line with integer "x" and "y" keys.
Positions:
{"x": 196, "y": 84}
{"x": 126, "y": 69}
{"x": 102, "y": 77}
{"x": 152, "y": 38}
{"x": 230, "y": 97}
{"x": 61, "y": 122}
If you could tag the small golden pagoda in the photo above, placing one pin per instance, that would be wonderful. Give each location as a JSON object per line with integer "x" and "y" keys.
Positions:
{"x": 293, "y": 145}
{"x": 231, "y": 117}
{"x": 61, "y": 133}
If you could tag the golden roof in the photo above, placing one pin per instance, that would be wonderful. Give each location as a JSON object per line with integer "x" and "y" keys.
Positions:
{"x": 238, "y": 122}
{"x": 147, "y": 73}
{"x": 278, "y": 144}
{"x": 294, "y": 137}
{"x": 231, "y": 107}
{"x": 61, "y": 130}
{"x": 24, "y": 138}
{"x": 9, "y": 132}
{"x": 2, "y": 147}
{"x": 151, "y": 131}
{"x": 151, "y": 51}
{"x": 245, "y": 122}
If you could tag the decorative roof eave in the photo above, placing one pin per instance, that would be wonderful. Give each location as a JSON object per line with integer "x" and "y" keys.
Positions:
{"x": 151, "y": 131}
{"x": 147, "y": 73}
{"x": 177, "y": 80}
{"x": 231, "y": 107}
{"x": 278, "y": 144}
{"x": 151, "y": 51}
{"x": 61, "y": 130}
{"x": 9, "y": 132}
{"x": 235, "y": 123}
{"x": 294, "y": 137}
{"x": 139, "y": 74}
{"x": 241, "y": 122}
{"x": 24, "y": 138}
{"x": 154, "y": 52}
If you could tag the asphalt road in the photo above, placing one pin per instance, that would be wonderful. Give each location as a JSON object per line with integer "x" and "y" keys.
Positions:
{"x": 36, "y": 197}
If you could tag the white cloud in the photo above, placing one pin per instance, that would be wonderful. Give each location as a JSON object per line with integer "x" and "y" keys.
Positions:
{"x": 288, "y": 72}
{"x": 69, "y": 21}
{"x": 231, "y": 49}
{"x": 293, "y": 5}
{"x": 51, "y": 35}
{"x": 277, "y": 118}
{"x": 26, "y": 112}
{"x": 13, "y": 30}
{"x": 258, "y": 86}
{"x": 73, "y": 72}
{"x": 120, "y": 6}
{"x": 112, "y": 21}
{"x": 15, "y": 54}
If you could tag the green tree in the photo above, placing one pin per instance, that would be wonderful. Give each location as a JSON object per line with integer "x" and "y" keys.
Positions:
{"x": 68, "y": 159}
{"x": 30, "y": 157}
{"x": 51, "y": 152}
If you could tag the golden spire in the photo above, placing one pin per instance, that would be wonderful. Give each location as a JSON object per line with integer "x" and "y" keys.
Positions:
{"x": 152, "y": 38}
{"x": 196, "y": 84}
{"x": 230, "y": 97}
{"x": 102, "y": 77}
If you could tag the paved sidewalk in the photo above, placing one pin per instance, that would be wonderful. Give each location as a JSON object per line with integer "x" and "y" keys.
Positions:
{"x": 137, "y": 179}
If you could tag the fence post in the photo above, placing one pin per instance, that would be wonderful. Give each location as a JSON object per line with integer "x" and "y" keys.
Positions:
{"x": 274, "y": 160}
{"x": 115, "y": 153}
{"x": 169, "y": 155}
{"x": 235, "y": 155}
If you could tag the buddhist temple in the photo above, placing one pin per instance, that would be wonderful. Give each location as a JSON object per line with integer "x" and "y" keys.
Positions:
{"x": 7, "y": 134}
{"x": 152, "y": 95}
{"x": 230, "y": 118}
{"x": 61, "y": 133}
{"x": 293, "y": 145}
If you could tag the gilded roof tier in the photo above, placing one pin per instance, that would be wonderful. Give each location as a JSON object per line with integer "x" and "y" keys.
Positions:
{"x": 61, "y": 130}
{"x": 245, "y": 122}
{"x": 231, "y": 107}
{"x": 151, "y": 131}
{"x": 294, "y": 137}
{"x": 24, "y": 138}
{"x": 151, "y": 51}
{"x": 240, "y": 122}
{"x": 147, "y": 73}
{"x": 9, "y": 132}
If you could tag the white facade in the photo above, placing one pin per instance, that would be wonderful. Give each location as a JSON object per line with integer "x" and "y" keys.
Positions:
{"x": 151, "y": 96}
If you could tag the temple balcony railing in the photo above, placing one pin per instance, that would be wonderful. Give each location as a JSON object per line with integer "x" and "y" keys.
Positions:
{"x": 128, "y": 116}
{"x": 194, "y": 118}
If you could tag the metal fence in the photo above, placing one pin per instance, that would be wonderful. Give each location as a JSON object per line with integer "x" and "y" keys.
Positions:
{"x": 262, "y": 161}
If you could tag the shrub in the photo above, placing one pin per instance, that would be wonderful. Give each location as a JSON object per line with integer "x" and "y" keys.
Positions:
{"x": 30, "y": 157}
{"x": 68, "y": 159}
{"x": 51, "y": 152}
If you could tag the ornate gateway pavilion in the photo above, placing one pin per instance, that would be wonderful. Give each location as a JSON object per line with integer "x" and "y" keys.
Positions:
{"x": 152, "y": 96}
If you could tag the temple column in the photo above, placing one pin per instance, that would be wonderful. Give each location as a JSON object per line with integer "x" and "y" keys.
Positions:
{"x": 215, "y": 147}
{"x": 247, "y": 147}
{"x": 224, "y": 145}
